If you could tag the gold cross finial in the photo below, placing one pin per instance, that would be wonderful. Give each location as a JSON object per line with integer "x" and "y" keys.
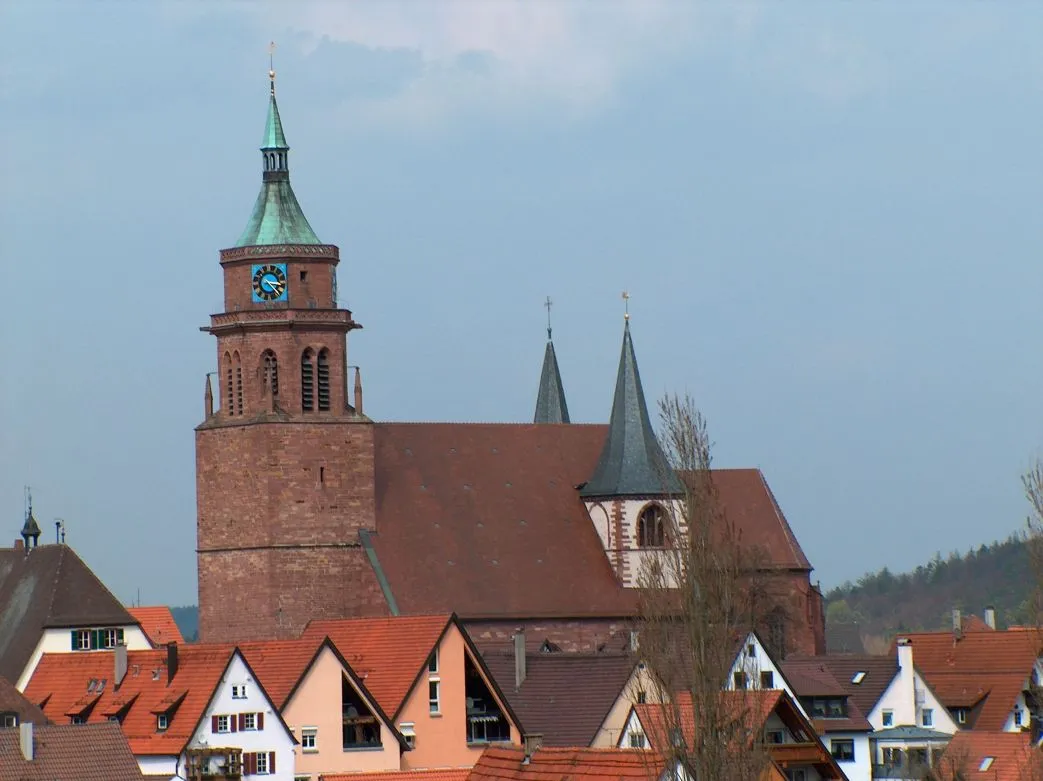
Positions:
{"x": 548, "y": 303}
{"x": 626, "y": 305}
{"x": 271, "y": 64}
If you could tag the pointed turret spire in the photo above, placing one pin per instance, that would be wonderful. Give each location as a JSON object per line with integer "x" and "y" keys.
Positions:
{"x": 632, "y": 462}
{"x": 550, "y": 401}
{"x": 30, "y": 529}
{"x": 277, "y": 217}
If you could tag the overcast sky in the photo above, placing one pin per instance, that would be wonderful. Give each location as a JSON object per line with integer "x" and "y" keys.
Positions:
{"x": 827, "y": 214}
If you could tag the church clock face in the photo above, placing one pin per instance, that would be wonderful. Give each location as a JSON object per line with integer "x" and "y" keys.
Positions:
{"x": 269, "y": 282}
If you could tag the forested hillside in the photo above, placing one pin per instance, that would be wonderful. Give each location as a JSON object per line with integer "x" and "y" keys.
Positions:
{"x": 883, "y": 603}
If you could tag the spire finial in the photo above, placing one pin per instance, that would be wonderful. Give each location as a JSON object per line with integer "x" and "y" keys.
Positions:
{"x": 626, "y": 305}
{"x": 271, "y": 65}
{"x": 548, "y": 304}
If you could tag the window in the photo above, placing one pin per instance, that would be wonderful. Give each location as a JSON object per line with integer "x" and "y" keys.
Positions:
{"x": 432, "y": 663}
{"x": 858, "y": 677}
{"x": 485, "y": 721}
{"x": 109, "y": 638}
{"x": 960, "y": 714}
{"x": 309, "y": 739}
{"x": 308, "y": 381}
{"x": 893, "y": 756}
{"x": 843, "y": 750}
{"x": 222, "y": 723}
{"x": 798, "y": 775}
{"x": 76, "y": 720}
{"x": 162, "y": 722}
{"x": 889, "y": 718}
{"x": 825, "y": 707}
{"x": 239, "y": 692}
{"x": 642, "y": 697}
{"x": 767, "y": 679}
{"x": 739, "y": 678}
{"x": 249, "y": 721}
{"x": 432, "y": 696}
{"x": 927, "y": 717}
{"x": 360, "y": 726}
{"x": 229, "y": 385}
{"x": 238, "y": 384}
{"x": 409, "y": 733}
{"x": 1017, "y": 717}
{"x": 324, "y": 380}
{"x": 82, "y": 639}
{"x": 650, "y": 532}
{"x": 270, "y": 372}
{"x": 637, "y": 740}
{"x": 986, "y": 763}
{"x": 776, "y": 736}
{"x": 10, "y": 719}
{"x": 262, "y": 763}
{"x": 751, "y": 650}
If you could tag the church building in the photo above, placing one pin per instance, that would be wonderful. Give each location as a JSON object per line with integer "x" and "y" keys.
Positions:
{"x": 309, "y": 509}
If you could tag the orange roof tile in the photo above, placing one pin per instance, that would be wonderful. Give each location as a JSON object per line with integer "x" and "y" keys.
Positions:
{"x": 61, "y": 682}
{"x": 994, "y": 664}
{"x": 158, "y": 625}
{"x": 279, "y": 664}
{"x": 1012, "y": 757}
{"x": 386, "y": 653}
{"x": 566, "y": 764}
{"x": 437, "y": 774}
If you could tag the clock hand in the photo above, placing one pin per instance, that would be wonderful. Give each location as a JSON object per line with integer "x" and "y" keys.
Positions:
{"x": 266, "y": 282}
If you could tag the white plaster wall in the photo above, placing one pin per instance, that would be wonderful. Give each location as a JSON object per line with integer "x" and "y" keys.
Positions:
{"x": 754, "y": 665}
{"x": 862, "y": 768}
{"x": 274, "y": 737}
{"x": 59, "y": 641}
{"x": 158, "y": 766}
{"x": 1019, "y": 705}
{"x": 601, "y": 517}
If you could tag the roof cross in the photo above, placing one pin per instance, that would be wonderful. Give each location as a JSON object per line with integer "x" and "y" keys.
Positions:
{"x": 271, "y": 64}
{"x": 626, "y": 305}
{"x": 548, "y": 304}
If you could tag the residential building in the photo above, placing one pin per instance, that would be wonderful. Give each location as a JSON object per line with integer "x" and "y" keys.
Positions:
{"x": 975, "y": 755}
{"x": 577, "y": 764}
{"x": 62, "y": 752}
{"x": 15, "y": 709}
{"x": 51, "y": 602}
{"x": 186, "y": 711}
{"x": 982, "y": 675}
{"x": 771, "y": 715}
{"x": 429, "y": 679}
{"x": 158, "y": 624}
{"x": 538, "y": 526}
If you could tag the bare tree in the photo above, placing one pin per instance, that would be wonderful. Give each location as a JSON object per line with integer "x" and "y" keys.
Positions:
{"x": 698, "y": 597}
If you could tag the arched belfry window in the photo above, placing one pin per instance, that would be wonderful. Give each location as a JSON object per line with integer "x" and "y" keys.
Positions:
{"x": 324, "y": 380}
{"x": 651, "y": 527}
{"x": 238, "y": 384}
{"x": 229, "y": 390}
{"x": 308, "y": 380}
{"x": 270, "y": 373}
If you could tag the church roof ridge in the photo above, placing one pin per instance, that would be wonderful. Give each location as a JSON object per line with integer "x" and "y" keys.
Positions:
{"x": 632, "y": 461}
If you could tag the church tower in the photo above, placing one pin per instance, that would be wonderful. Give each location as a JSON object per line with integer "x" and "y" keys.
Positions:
{"x": 284, "y": 464}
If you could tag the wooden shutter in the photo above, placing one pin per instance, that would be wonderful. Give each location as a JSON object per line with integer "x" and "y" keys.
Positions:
{"x": 252, "y": 763}
{"x": 232, "y": 723}
{"x": 260, "y": 721}
{"x": 75, "y": 640}
{"x": 271, "y": 761}
{"x": 95, "y": 639}
{"x": 242, "y": 720}
{"x": 213, "y": 724}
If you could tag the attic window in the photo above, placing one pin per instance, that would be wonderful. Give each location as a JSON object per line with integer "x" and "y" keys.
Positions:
{"x": 650, "y": 527}
{"x": 162, "y": 722}
{"x": 985, "y": 764}
{"x": 10, "y": 719}
{"x": 858, "y": 678}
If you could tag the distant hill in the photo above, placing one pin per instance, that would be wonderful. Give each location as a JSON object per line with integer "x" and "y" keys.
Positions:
{"x": 187, "y": 620}
{"x": 883, "y": 603}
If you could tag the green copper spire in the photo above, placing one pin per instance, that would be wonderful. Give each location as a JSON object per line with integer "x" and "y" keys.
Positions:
{"x": 277, "y": 217}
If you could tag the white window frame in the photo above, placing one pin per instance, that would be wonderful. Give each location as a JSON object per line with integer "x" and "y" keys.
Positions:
{"x": 83, "y": 639}
{"x": 887, "y": 718}
{"x": 1017, "y": 717}
{"x": 162, "y": 721}
{"x": 10, "y": 719}
{"x": 927, "y": 717}
{"x": 637, "y": 739}
{"x": 313, "y": 733}
{"x": 434, "y": 703}
{"x": 408, "y": 731}
{"x": 238, "y": 691}
{"x": 249, "y": 722}
{"x": 432, "y": 662}
{"x": 110, "y": 638}
{"x": 226, "y": 721}
{"x": 262, "y": 763}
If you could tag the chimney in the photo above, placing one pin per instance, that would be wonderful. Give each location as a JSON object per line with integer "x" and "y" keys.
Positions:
{"x": 25, "y": 730}
{"x": 905, "y": 653}
{"x": 121, "y": 664}
{"x": 519, "y": 659}
{"x": 19, "y": 546}
{"x": 171, "y": 661}
{"x": 208, "y": 400}
{"x": 358, "y": 391}
{"x": 533, "y": 743}
{"x": 990, "y": 617}
{"x": 957, "y": 624}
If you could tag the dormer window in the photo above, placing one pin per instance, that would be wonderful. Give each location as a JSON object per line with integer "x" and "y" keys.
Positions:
{"x": 651, "y": 531}
{"x": 162, "y": 722}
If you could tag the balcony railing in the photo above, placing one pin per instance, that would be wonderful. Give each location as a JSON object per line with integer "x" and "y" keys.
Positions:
{"x": 904, "y": 772}
{"x": 787, "y": 754}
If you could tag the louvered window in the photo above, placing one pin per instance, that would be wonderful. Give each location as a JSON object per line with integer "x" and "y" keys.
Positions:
{"x": 270, "y": 369}
{"x": 307, "y": 381}
{"x": 229, "y": 385}
{"x": 324, "y": 380}
{"x": 238, "y": 386}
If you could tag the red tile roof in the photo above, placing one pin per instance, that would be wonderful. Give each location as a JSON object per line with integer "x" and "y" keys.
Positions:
{"x": 387, "y": 654}
{"x": 61, "y": 683}
{"x": 65, "y": 752}
{"x": 995, "y": 664}
{"x": 470, "y": 508}
{"x": 437, "y": 774}
{"x": 1013, "y": 758}
{"x": 830, "y": 676}
{"x": 158, "y": 625}
{"x": 566, "y": 764}
{"x": 565, "y": 697}
{"x": 279, "y": 664}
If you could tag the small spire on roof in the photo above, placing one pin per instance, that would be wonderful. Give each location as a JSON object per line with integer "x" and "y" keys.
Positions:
{"x": 271, "y": 65}
{"x": 30, "y": 529}
{"x": 548, "y": 303}
{"x": 550, "y": 401}
{"x": 626, "y": 305}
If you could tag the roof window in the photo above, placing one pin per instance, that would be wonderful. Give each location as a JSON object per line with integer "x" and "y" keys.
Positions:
{"x": 985, "y": 764}
{"x": 858, "y": 677}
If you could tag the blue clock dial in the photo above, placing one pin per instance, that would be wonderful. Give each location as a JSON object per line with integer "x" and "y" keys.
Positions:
{"x": 269, "y": 282}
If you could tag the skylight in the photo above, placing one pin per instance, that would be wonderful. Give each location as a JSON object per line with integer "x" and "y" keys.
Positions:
{"x": 985, "y": 764}
{"x": 858, "y": 678}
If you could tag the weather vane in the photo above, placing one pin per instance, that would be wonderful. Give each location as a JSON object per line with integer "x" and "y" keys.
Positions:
{"x": 548, "y": 303}
{"x": 271, "y": 64}
{"x": 626, "y": 305}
